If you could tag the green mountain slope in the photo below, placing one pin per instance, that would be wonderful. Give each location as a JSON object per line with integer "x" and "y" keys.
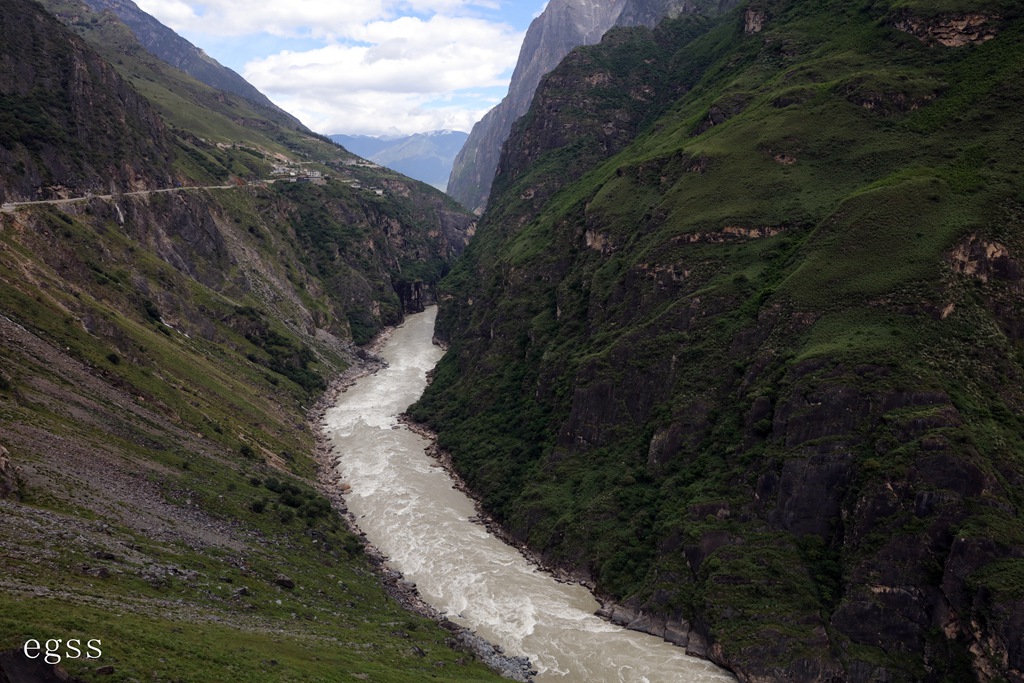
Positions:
{"x": 114, "y": 136}
{"x": 191, "y": 107}
{"x": 159, "y": 354}
{"x": 739, "y": 337}
{"x": 178, "y": 52}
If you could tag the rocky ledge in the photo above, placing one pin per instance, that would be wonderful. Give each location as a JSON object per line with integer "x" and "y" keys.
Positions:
{"x": 9, "y": 476}
{"x": 950, "y": 30}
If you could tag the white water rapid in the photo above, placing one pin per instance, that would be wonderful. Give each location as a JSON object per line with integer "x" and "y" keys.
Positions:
{"x": 407, "y": 506}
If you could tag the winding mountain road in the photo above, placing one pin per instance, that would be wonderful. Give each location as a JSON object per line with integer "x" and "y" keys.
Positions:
{"x": 9, "y": 207}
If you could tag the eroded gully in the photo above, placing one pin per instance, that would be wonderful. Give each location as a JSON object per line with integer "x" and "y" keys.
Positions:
{"x": 408, "y": 508}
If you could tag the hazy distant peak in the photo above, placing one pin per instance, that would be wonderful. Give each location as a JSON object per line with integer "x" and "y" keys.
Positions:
{"x": 424, "y": 156}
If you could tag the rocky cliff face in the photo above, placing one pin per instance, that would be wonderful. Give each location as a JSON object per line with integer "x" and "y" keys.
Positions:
{"x": 737, "y": 340}
{"x": 950, "y": 30}
{"x": 591, "y": 107}
{"x": 69, "y": 124}
{"x": 563, "y": 25}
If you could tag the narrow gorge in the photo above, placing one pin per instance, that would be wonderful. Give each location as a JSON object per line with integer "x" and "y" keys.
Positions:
{"x": 409, "y": 509}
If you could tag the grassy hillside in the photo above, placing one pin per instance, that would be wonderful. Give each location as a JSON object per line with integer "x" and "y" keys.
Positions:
{"x": 159, "y": 355}
{"x": 165, "y": 471}
{"x": 739, "y": 336}
{"x": 185, "y": 103}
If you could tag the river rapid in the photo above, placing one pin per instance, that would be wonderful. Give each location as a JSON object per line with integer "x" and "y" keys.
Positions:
{"x": 408, "y": 508}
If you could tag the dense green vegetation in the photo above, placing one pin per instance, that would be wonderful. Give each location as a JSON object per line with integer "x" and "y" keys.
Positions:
{"x": 748, "y": 354}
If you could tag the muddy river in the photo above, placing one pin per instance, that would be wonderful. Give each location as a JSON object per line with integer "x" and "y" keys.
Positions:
{"x": 407, "y": 506}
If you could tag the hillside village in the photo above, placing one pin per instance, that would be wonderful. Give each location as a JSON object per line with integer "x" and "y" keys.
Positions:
{"x": 282, "y": 170}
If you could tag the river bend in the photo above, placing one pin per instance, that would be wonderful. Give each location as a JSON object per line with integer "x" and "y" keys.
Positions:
{"x": 408, "y": 508}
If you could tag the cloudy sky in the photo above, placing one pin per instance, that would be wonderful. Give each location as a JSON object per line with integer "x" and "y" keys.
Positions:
{"x": 364, "y": 66}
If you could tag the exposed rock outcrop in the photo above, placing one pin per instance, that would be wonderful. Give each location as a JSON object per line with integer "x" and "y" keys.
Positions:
{"x": 950, "y": 30}
{"x": 985, "y": 260}
{"x": 15, "y": 667}
{"x": 754, "y": 21}
{"x": 10, "y": 483}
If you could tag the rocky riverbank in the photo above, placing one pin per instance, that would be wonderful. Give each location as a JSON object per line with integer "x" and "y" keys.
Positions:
{"x": 678, "y": 632}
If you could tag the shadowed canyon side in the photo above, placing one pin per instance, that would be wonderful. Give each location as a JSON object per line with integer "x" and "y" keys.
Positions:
{"x": 740, "y": 336}
{"x": 563, "y": 25}
{"x": 162, "y": 336}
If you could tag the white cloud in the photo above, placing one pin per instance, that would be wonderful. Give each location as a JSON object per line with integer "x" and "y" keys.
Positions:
{"x": 408, "y": 55}
{"x": 173, "y": 13}
{"x": 231, "y": 17}
{"x": 399, "y": 75}
{"x": 331, "y": 18}
{"x": 381, "y": 113}
{"x": 374, "y": 66}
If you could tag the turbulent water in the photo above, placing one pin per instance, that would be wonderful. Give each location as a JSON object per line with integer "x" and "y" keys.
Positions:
{"x": 409, "y": 509}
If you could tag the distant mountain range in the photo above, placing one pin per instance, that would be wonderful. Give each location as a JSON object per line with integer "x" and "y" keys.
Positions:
{"x": 423, "y": 156}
